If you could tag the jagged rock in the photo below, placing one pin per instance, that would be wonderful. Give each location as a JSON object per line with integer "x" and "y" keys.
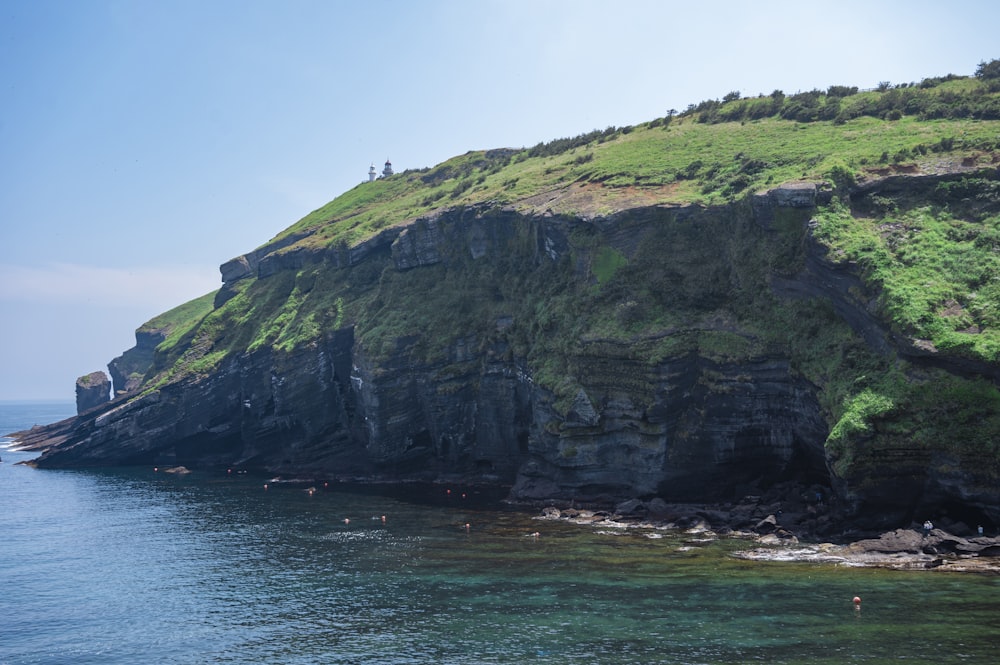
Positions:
{"x": 789, "y": 195}
{"x": 129, "y": 369}
{"x": 92, "y": 390}
{"x": 240, "y": 267}
{"x": 583, "y": 412}
{"x": 899, "y": 540}
{"x": 795, "y": 195}
{"x": 767, "y": 525}
{"x": 418, "y": 245}
{"x": 630, "y": 507}
{"x": 291, "y": 259}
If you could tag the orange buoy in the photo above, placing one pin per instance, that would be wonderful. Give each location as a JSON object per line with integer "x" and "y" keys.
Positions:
{"x": 857, "y": 600}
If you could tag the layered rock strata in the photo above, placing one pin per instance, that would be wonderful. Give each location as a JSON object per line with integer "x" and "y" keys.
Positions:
{"x": 663, "y": 415}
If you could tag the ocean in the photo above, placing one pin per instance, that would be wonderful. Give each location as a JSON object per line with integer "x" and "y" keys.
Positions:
{"x": 135, "y": 565}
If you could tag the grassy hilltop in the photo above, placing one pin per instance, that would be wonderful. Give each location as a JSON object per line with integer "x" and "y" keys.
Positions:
{"x": 928, "y": 259}
{"x": 712, "y": 153}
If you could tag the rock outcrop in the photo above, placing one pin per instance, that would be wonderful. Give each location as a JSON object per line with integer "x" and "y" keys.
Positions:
{"x": 92, "y": 391}
{"x": 129, "y": 369}
{"x": 703, "y": 408}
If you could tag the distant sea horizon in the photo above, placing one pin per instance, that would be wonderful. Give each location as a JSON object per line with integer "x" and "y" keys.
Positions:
{"x": 36, "y": 400}
{"x": 17, "y": 415}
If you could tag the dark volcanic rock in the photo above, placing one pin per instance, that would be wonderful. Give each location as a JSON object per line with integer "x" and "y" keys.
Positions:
{"x": 129, "y": 369}
{"x": 644, "y": 418}
{"x": 251, "y": 412}
{"x": 92, "y": 390}
{"x": 744, "y": 426}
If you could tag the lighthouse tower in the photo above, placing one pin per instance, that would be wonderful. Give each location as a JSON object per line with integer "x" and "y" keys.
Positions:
{"x": 387, "y": 171}
{"x": 371, "y": 173}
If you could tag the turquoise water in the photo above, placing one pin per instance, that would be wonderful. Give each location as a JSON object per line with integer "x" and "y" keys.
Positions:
{"x": 140, "y": 566}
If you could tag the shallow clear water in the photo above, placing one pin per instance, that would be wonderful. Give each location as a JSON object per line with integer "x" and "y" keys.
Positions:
{"x": 140, "y": 566}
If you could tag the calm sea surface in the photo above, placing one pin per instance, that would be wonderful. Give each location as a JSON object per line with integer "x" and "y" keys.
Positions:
{"x": 139, "y": 566}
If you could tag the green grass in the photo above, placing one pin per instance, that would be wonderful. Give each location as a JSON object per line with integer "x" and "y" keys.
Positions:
{"x": 179, "y": 321}
{"x": 682, "y": 162}
{"x": 606, "y": 263}
{"x": 937, "y": 274}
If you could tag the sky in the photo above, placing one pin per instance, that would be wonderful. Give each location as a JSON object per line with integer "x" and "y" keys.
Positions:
{"x": 145, "y": 142}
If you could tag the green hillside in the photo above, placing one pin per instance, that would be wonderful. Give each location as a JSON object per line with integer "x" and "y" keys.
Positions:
{"x": 928, "y": 259}
{"x": 711, "y": 154}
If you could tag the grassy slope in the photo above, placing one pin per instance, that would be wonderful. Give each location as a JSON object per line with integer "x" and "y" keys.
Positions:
{"x": 683, "y": 161}
{"x": 176, "y": 322}
{"x": 686, "y": 162}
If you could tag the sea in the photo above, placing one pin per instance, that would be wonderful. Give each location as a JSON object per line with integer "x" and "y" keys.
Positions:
{"x": 139, "y": 566}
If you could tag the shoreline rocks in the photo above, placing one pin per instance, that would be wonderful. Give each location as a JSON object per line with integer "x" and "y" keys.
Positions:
{"x": 901, "y": 549}
{"x": 768, "y": 540}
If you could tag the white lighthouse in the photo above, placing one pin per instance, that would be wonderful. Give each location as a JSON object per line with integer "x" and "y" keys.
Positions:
{"x": 371, "y": 173}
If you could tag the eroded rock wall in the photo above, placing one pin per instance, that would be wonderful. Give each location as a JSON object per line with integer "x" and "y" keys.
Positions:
{"x": 685, "y": 424}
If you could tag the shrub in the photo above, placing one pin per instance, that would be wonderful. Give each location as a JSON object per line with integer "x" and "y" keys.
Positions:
{"x": 859, "y": 411}
{"x": 841, "y": 91}
{"x": 841, "y": 175}
{"x": 988, "y": 70}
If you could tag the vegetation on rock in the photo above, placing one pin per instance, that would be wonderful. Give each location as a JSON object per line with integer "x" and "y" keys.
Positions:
{"x": 927, "y": 255}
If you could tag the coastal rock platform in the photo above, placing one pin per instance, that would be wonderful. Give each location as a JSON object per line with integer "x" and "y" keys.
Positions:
{"x": 900, "y": 549}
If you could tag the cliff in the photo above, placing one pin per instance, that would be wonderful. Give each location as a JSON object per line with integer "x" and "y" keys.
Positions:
{"x": 582, "y": 328}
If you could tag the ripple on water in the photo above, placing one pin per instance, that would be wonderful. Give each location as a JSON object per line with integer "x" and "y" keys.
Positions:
{"x": 128, "y": 566}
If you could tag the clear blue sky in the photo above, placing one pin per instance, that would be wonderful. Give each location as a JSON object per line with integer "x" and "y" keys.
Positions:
{"x": 145, "y": 142}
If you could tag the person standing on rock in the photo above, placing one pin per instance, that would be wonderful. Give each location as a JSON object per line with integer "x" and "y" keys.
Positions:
{"x": 927, "y": 527}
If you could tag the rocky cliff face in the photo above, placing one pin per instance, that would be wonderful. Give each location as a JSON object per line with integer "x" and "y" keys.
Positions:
{"x": 129, "y": 369}
{"x": 708, "y": 404}
{"x": 92, "y": 390}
